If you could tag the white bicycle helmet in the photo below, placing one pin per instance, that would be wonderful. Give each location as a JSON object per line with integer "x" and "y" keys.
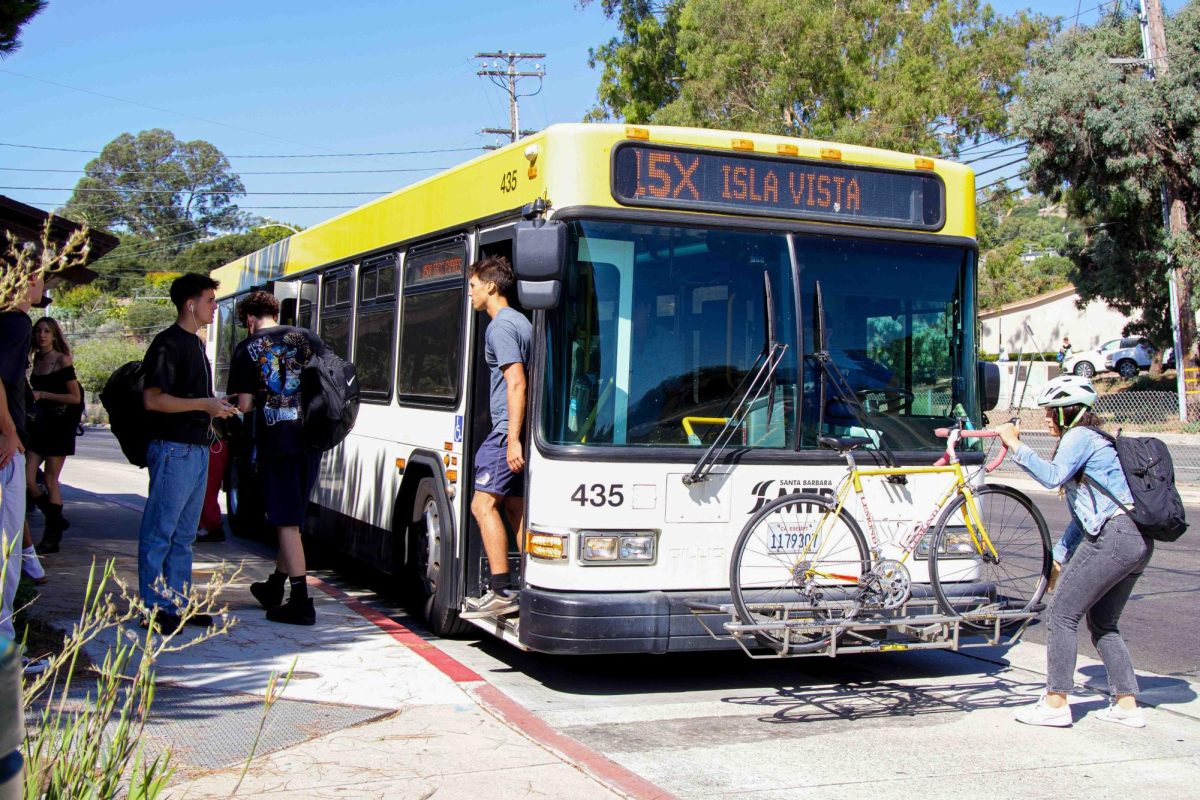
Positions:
{"x": 1067, "y": 390}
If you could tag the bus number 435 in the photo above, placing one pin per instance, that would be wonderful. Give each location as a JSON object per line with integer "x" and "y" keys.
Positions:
{"x": 599, "y": 494}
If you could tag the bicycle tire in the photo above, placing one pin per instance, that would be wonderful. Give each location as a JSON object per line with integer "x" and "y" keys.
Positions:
{"x": 1018, "y": 532}
{"x": 752, "y": 587}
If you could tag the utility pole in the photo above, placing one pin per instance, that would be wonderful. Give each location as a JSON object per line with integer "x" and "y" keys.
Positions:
{"x": 511, "y": 75}
{"x": 1183, "y": 321}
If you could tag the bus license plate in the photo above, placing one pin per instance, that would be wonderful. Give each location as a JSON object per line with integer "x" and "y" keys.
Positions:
{"x": 792, "y": 537}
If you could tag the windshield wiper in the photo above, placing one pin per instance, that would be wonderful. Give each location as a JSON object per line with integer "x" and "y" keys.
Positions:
{"x": 767, "y": 363}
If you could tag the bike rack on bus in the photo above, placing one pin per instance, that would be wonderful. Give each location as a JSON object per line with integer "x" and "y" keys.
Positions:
{"x": 916, "y": 625}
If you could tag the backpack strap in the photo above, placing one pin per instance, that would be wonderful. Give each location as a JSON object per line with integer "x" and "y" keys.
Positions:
{"x": 1096, "y": 484}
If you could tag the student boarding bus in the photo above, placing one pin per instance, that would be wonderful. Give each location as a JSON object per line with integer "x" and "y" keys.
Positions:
{"x": 660, "y": 267}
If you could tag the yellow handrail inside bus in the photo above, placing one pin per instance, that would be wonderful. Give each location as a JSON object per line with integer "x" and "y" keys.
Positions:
{"x": 693, "y": 439}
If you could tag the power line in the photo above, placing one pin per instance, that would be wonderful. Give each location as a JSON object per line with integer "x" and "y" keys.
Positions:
{"x": 272, "y": 155}
{"x": 508, "y": 79}
{"x": 122, "y": 189}
{"x": 240, "y": 173}
{"x": 244, "y": 208}
{"x": 1002, "y": 166}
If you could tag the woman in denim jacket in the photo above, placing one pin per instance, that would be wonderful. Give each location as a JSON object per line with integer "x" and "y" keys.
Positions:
{"x": 1101, "y": 554}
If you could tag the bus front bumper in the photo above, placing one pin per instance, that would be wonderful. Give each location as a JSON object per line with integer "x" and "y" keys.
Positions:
{"x": 580, "y": 623}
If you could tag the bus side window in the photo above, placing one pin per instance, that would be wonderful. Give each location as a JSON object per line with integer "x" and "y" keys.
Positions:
{"x": 336, "y": 306}
{"x": 373, "y": 326}
{"x": 306, "y": 305}
{"x": 431, "y": 322}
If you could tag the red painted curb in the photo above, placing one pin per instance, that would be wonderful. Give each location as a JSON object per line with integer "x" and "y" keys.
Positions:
{"x": 571, "y": 750}
{"x": 504, "y": 707}
{"x": 447, "y": 664}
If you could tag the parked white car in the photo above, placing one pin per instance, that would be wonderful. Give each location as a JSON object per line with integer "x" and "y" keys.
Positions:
{"x": 1132, "y": 357}
{"x": 1087, "y": 363}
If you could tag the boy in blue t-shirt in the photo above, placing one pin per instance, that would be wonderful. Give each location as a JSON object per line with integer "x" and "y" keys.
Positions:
{"x": 500, "y": 459}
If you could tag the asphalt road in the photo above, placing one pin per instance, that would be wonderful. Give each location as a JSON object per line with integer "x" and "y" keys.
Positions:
{"x": 1160, "y": 623}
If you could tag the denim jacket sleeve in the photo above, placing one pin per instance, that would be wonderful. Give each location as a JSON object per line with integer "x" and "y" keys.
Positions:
{"x": 1068, "y": 542}
{"x": 1073, "y": 452}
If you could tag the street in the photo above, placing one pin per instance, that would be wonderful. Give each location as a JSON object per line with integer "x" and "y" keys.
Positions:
{"x": 723, "y": 725}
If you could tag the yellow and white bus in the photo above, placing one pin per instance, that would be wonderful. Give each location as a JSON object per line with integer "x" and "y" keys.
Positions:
{"x": 658, "y": 265}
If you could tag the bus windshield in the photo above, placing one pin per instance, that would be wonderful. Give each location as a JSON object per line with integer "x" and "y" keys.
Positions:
{"x": 660, "y": 327}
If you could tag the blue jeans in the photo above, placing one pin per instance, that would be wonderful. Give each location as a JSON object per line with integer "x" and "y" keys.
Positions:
{"x": 1096, "y": 583}
{"x": 178, "y": 475}
{"x": 12, "y": 528}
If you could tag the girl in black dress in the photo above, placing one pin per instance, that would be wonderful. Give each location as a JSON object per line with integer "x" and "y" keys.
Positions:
{"x": 58, "y": 405}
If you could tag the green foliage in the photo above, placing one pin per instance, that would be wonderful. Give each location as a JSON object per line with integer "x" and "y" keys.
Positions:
{"x": 78, "y": 301}
{"x": 156, "y": 186}
{"x": 145, "y": 318}
{"x": 14, "y": 15}
{"x": 1105, "y": 139}
{"x": 97, "y": 357}
{"x": 924, "y": 76}
{"x": 207, "y": 256}
{"x": 1007, "y": 232}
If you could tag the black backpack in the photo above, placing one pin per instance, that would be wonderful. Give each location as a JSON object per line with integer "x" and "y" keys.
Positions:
{"x": 122, "y": 399}
{"x": 1157, "y": 507}
{"x": 328, "y": 401}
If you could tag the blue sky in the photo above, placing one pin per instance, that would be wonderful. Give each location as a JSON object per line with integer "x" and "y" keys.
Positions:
{"x": 269, "y": 78}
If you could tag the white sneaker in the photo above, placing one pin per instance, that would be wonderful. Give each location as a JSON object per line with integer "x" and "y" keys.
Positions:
{"x": 1042, "y": 713}
{"x": 32, "y": 566}
{"x": 1121, "y": 716}
{"x": 492, "y": 604}
{"x": 34, "y": 666}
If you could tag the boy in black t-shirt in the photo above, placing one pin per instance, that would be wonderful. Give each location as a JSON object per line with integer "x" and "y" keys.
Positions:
{"x": 265, "y": 376}
{"x": 178, "y": 396}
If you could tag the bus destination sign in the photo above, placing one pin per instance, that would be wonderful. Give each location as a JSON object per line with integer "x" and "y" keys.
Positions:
{"x": 695, "y": 180}
{"x": 435, "y": 266}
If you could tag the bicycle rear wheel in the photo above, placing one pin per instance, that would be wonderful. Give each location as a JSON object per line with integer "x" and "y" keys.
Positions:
{"x": 966, "y": 576}
{"x": 798, "y": 558}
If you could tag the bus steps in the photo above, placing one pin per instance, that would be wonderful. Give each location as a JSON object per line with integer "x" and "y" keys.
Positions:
{"x": 917, "y": 625}
{"x": 501, "y": 627}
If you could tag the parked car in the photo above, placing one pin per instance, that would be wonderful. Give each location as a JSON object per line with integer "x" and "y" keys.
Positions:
{"x": 1133, "y": 356}
{"x": 1087, "y": 363}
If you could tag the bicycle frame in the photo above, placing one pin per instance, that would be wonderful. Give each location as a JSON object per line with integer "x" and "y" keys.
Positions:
{"x": 948, "y": 464}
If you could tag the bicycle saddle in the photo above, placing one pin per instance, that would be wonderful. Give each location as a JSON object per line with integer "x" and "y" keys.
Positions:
{"x": 844, "y": 443}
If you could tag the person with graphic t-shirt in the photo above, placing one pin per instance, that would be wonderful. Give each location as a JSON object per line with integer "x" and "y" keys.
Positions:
{"x": 500, "y": 459}
{"x": 265, "y": 376}
{"x": 180, "y": 404}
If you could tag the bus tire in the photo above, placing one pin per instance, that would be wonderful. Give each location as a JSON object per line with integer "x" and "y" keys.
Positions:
{"x": 430, "y": 540}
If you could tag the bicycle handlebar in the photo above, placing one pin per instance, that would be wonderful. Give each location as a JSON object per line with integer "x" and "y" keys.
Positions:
{"x": 952, "y": 435}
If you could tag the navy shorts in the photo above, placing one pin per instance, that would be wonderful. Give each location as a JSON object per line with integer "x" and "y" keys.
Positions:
{"x": 492, "y": 474}
{"x": 287, "y": 483}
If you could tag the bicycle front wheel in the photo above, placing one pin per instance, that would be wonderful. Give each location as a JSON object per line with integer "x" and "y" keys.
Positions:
{"x": 798, "y": 559}
{"x": 1003, "y": 567}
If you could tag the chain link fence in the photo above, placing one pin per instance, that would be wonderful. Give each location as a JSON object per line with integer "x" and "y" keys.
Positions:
{"x": 1133, "y": 413}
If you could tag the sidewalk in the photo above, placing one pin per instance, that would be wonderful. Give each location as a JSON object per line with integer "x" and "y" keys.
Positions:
{"x": 372, "y": 710}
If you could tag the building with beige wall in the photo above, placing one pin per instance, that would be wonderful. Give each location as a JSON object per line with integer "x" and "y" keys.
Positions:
{"x": 1038, "y": 324}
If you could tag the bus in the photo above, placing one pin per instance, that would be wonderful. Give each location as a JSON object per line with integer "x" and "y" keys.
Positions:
{"x": 658, "y": 265}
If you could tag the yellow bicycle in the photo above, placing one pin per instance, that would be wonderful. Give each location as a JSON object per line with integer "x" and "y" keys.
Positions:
{"x": 803, "y": 572}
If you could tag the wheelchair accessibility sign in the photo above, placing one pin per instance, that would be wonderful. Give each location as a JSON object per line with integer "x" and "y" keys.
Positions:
{"x": 458, "y": 423}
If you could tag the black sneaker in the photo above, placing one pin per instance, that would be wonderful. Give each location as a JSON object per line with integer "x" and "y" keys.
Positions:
{"x": 267, "y": 594}
{"x": 296, "y": 611}
{"x": 492, "y": 604}
{"x": 200, "y": 620}
{"x": 164, "y": 622}
{"x": 212, "y": 535}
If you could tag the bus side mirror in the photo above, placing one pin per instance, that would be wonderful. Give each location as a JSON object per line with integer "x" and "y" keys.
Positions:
{"x": 539, "y": 256}
{"x": 989, "y": 384}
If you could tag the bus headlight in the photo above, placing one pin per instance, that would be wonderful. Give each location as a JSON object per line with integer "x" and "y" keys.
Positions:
{"x": 634, "y": 547}
{"x": 956, "y": 542}
{"x": 546, "y": 545}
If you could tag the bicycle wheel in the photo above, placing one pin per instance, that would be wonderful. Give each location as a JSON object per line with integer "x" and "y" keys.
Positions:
{"x": 964, "y": 573}
{"x": 798, "y": 558}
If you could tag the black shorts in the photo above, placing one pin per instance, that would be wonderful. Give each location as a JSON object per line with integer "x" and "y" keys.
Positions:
{"x": 287, "y": 482}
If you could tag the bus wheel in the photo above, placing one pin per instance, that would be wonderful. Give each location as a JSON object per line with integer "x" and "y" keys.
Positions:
{"x": 433, "y": 554}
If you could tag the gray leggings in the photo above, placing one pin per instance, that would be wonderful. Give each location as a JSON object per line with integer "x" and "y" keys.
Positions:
{"x": 1096, "y": 581}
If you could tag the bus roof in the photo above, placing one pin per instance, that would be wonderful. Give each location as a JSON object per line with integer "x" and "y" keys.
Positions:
{"x": 567, "y": 165}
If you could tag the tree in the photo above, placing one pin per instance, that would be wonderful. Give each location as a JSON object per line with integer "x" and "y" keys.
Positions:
{"x": 204, "y": 257}
{"x": 97, "y": 357}
{"x": 156, "y": 186}
{"x": 14, "y": 15}
{"x": 1106, "y": 140}
{"x": 925, "y": 76}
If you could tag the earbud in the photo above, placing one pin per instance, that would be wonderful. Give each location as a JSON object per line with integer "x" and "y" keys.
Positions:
{"x": 190, "y": 308}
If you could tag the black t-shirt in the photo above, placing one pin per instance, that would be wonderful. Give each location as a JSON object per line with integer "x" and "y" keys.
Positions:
{"x": 177, "y": 364}
{"x": 16, "y": 329}
{"x": 267, "y": 365}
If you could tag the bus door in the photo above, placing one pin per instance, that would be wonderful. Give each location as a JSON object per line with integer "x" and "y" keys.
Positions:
{"x": 479, "y": 424}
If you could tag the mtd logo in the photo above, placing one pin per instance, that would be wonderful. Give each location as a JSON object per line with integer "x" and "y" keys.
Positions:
{"x": 762, "y": 491}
